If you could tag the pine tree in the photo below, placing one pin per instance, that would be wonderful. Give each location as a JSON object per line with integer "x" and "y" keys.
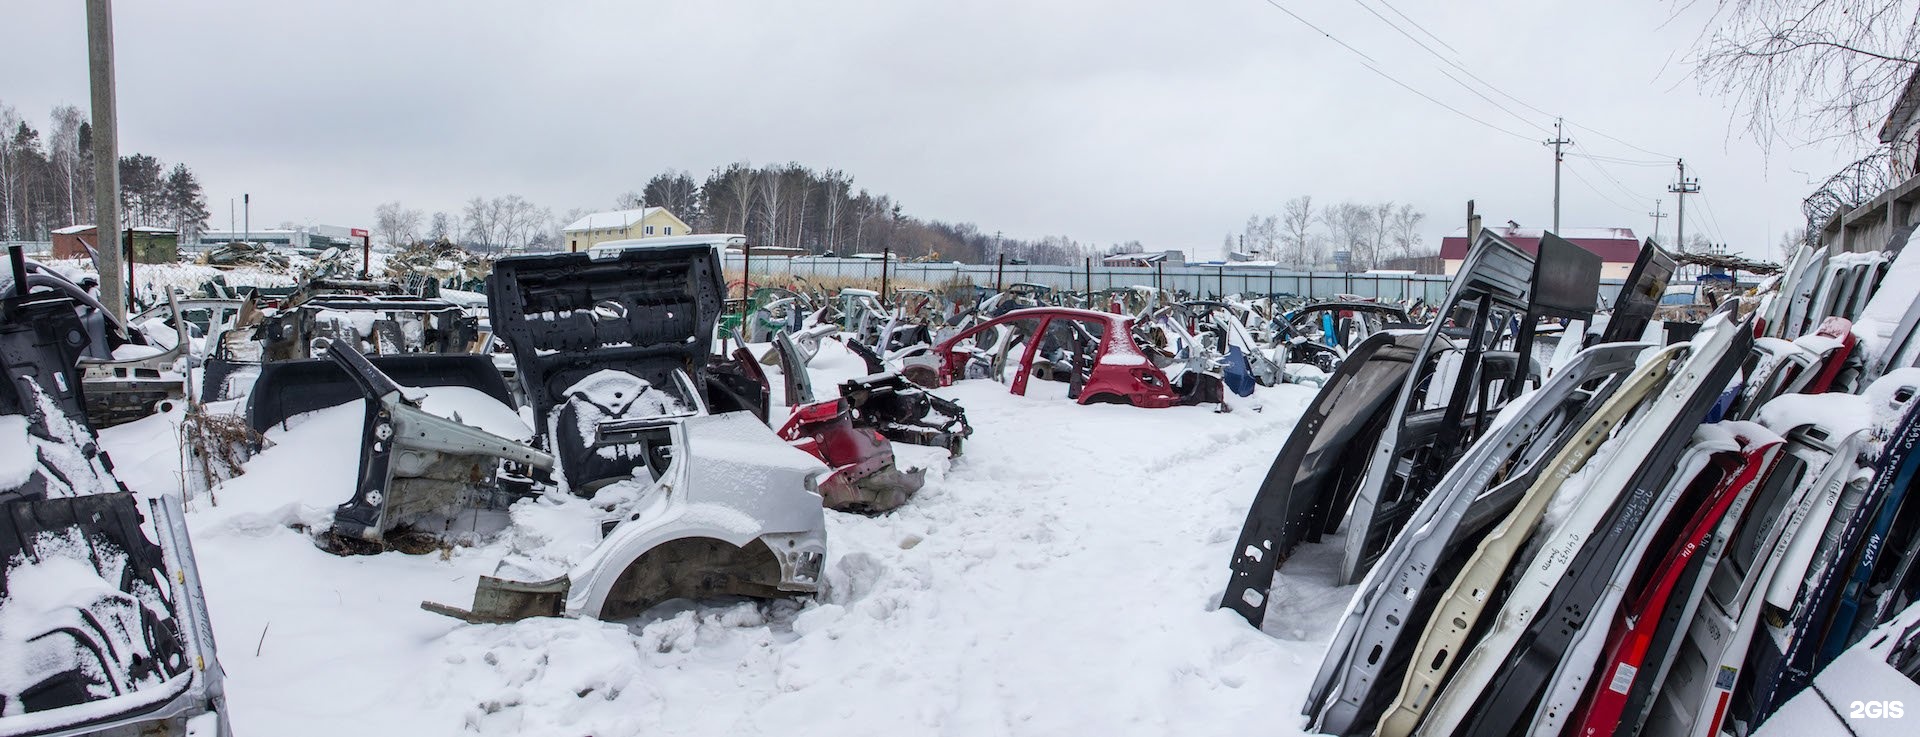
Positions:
{"x": 186, "y": 204}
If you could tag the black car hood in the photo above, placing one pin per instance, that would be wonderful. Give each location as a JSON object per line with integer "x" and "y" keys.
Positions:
{"x": 643, "y": 310}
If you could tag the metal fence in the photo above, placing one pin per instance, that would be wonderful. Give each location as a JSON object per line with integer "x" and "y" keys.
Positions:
{"x": 30, "y": 248}
{"x": 1195, "y": 280}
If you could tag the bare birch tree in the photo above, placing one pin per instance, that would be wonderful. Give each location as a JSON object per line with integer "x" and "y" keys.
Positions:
{"x": 1812, "y": 69}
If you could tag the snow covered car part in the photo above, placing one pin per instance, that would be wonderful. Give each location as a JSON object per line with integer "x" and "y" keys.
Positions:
{"x": 864, "y": 479}
{"x": 285, "y": 389}
{"x": 1230, "y": 333}
{"x": 1712, "y": 649}
{"x": 1473, "y": 359}
{"x": 613, "y": 351}
{"x": 1823, "y": 612}
{"x": 107, "y": 630}
{"x": 1778, "y": 297}
{"x": 734, "y": 512}
{"x": 130, "y": 373}
{"x": 1444, "y": 644}
{"x": 1680, "y": 379}
{"x": 414, "y": 463}
{"x": 277, "y": 355}
{"x": 796, "y": 381}
{"x": 1867, "y": 692}
{"x": 1708, "y": 470}
{"x": 1648, "y": 635}
{"x": 126, "y": 389}
{"x": 1107, "y": 364}
{"x": 324, "y": 312}
{"x": 854, "y": 434}
{"x": 645, "y": 313}
{"x": 905, "y": 413}
{"x": 1586, "y": 550}
{"x": 1353, "y": 678}
{"x": 1323, "y": 333}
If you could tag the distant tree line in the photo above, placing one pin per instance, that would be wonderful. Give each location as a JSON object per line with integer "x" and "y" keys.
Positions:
{"x": 47, "y": 183}
{"x": 1306, "y": 235}
{"x": 822, "y": 211}
{"x": 781, "y": 205}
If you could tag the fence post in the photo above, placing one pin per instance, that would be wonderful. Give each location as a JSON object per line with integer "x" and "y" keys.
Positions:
{"x": 886, "y": 254}
{"x": 1000, "y": 274}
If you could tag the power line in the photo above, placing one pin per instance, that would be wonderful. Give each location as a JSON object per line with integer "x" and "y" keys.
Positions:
{"x": 1713, "y": 220}
{"x": 1621, "y": 161}
{"x": 1456, "y": 65}
{"x": 1596, "y": 132}
{"x": 1490, "y": 101}
{"x": 1597, "y": 166}
{"x": 1321, "y": 31}
{"x": 1489, "y": 85}
{"x": 1596, "y": 190}
{"x": 1416, "y": 24}
{"x": 1369, "y": 62}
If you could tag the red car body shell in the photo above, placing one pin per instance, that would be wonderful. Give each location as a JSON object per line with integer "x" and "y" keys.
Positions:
{"x": 1120, "y": 366}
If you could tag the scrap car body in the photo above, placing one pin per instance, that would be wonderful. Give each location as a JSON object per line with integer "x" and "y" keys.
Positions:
{"x": 106, "y": 629}
{"x": 698, "y": 497}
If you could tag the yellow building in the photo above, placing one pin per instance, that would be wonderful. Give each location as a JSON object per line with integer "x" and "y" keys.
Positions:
{"x": 646, "y": 222}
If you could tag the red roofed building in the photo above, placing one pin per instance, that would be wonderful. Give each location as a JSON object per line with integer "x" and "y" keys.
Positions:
{"x": 1616, "y": 247}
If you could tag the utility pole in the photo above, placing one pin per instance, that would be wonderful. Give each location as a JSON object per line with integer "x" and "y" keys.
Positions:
{"x": 106, "y": 156}
{"x": 246, "y": 215}
{"x": 1657, "y": 216}
{"x": 1556, "y": 142}
{"x": 1680, "y": 191}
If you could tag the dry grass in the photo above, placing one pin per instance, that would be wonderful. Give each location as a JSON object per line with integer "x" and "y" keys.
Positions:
{"x": 216, "y": 446}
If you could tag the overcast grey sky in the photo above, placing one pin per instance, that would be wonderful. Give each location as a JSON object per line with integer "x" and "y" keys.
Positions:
{"x": 1103, "y": 120}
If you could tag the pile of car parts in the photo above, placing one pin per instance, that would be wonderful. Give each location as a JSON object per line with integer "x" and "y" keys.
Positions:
{"x": 1665, "y": 541}
{"x": 613, "y": 348}
{"x": 1401, "y": 409}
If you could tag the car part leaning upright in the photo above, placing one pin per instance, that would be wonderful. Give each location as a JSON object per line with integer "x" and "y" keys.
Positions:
{"x": 1634, "y": 304}
{"x": 106, "y": 626}
{"x": 1428, "y": 431}
{"x": 413, "y": 462}
{"x": 1322, "y": 464}
{"x": 1574, "y": 568}
{"x": 1324, "y": 453}
{"x": 1362, "y": 665}
{"x": 699, "y": 497}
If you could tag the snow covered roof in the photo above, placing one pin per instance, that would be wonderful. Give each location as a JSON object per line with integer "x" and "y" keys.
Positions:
{"x": 1572, "y": 234}
{"x": 72, "y": 229}
{"x": 612, "y": 219}
{"x": 1612, "y": 245}
{"x": 1901, "y": 116}
{"x": 721, "y": 240}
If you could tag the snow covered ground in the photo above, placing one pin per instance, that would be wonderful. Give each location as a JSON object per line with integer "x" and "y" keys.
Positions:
{"x": 1060, "y": 578}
